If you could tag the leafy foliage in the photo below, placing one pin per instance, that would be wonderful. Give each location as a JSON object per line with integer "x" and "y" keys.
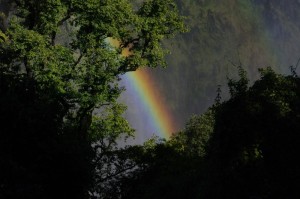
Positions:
{"x": 245, "y": 147}
{"x": 193, "y": 140}
{"x": 255, "y": 140}
{"x": 59, "y": 87}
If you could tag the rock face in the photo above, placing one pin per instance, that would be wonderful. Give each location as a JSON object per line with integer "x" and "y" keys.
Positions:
{"x": 224, "y": 34}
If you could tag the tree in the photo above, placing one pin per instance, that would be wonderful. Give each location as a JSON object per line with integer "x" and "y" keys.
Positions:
{"x": 163, "y": 172}
{"x": 255, "y": 142}
{"x": 59, "y": 87}
{"x": 195, "y": 137}
{"x": 245, "y": 147}
{"x": 173, "y": 168}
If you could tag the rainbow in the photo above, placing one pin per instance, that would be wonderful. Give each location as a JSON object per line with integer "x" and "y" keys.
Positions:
{"x": 141, "y": 85}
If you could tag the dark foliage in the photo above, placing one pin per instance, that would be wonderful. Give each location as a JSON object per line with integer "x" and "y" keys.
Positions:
{"x": 36, "y": 160}
{"x": 256, "y": 141}
{"x": 246, "y": 147}
{"x": 60, "y": 64}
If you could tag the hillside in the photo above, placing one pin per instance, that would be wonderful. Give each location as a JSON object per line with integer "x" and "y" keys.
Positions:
{"x": 224, "y": 34}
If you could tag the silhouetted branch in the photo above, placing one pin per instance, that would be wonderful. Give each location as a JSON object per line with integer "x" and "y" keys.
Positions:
{"x": 115, "y": 174}
{"x": 78, "y": 60}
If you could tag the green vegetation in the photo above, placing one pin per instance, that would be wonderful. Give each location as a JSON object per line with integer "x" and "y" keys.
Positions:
{"x": 60, "y": 118}
{"x": 245, "y": 147}
{"x": 59, "y": 87}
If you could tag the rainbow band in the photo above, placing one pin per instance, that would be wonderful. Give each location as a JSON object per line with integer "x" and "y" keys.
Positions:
{"x": 142, "y": 84}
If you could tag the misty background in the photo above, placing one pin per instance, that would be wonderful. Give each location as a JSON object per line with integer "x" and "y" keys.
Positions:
{"x": 223, "y": 35}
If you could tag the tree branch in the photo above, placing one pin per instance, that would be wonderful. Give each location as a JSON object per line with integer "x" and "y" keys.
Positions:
{"x": 53, "y": 36}
{"x": 64, "y": 19}
{"x": 78, "y": 60}
{"x": 115, "y": 174}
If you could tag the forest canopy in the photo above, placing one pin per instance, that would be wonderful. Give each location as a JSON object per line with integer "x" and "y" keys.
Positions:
{"x": 59, "y": 88}
{"x": 244, "y": 147}
{"x": 60, "y": 118}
